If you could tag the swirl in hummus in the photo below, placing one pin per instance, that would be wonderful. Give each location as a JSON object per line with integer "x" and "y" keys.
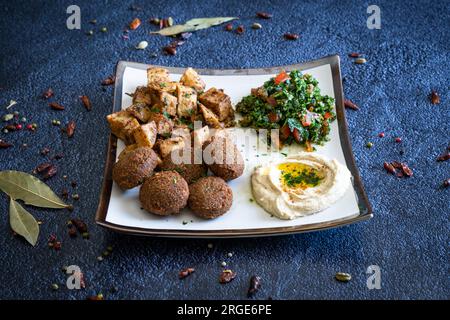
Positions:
{"x": 299, "y": 185}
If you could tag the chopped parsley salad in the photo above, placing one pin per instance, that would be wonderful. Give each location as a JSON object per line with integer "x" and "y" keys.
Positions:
{"x": 292, "y": 103}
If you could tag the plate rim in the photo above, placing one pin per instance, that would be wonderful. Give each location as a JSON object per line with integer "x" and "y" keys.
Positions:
{"x": 365, "y": 212}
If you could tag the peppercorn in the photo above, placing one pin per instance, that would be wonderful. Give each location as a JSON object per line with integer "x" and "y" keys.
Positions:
{"x": 381, "y": 134}
{"x": 398, "y": 139}
{"x": 369, "y": 145}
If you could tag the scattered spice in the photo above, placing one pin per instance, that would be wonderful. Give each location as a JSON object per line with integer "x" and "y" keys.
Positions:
{"x": 264, "y": 15}
{"x": 72, "y": 231}
{"x": 170, "y": 50}
{"x": 291, "y": 36}
{"x": 55, "y": 286}
{"x": 142, "y": 45}
{"x": 381, "y": 134}
{"x": 223, "y": 264}
{"x": 50, "y": 172}
{"x": 229, "y": 27}
{"x": 227, "y": 276}
{"x": 354, "y": 55}
{"x": 210, "y": 245}
{"x": 399, "y": 169}
{"x": 80, "y": 225}
{"x": 154, "y": 21}
{"x": 45, "y": 151}
{"x": 255, "y": 285}
{"x": 389, "y": 167}
{"x": 256, "y": 26}
{"x": 108, "y": 81}
{"x": 240, "y": 29}
{"x": 343, "y": 277}
{"x": 93, "y": 21}
{"x": 53, "y": 242}
{"x": 350, "y": 105}
{"x": 4, "y": 144}
{"x": 185, "y": 273}
{"x": 360, "y": 60}
{"x": 56, "y": 106}
{"x": 98, "y": 297}
{"x": 398, "y": 139}
{"x": 369, "y": 145}
{"x": 446, "y": 183}
{"x": 70, "y": 129}
{"x": 103, "y": 29}
{"x": 135, "y": 24}
{"x": 434, "y": 97}
{"x": 86, "y": 102}
{"x": 76, "y": 196}
{"x": 444, "y": 157}
{"x": 47, "y": 94}
{"x": 90, "y": 32}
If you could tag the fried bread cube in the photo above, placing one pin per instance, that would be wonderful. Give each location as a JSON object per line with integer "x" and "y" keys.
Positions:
{"x": 187, "y": 101}
{"x": 217, "y": 101}
{"x": 210, "y": 118}
{"x": 145, "y": 135}
{"x": 191, "y": 79}
{"x": 123, "y": 125}
{"x": 140, "y": 111}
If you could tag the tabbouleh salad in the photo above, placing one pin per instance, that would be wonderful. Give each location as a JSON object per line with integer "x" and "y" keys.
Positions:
{"x": 292, "y": 103}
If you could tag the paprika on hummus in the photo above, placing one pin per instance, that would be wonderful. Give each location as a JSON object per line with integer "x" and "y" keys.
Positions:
{"x": 299, "y": 185}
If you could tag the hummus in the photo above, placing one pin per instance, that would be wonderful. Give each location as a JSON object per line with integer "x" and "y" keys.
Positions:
{"x": 299, "y": 185}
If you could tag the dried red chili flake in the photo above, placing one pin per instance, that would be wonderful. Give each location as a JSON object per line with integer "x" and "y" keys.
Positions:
{"x": 255, "y": 285}
{"x": 240, "y": 29}
{"x": 80, "y": 225}
{"x": 50, "y": 172}
{"x": 4, "y": 144}
{"x": 86, "y": 102}
{"x": 108, "y": 81}
{"x": 42, "y": 167}
{"x": 135, "y": 24}
{"x": 406, "y": 170}
{"x": 70, "y": 129}
{"x": 389, "y": 168}
{"x": 58, "y": 156}
{"x": 354, "y": 55}
{"x": 65, "y": 193}
{"x": 350, "y": 105}
{"x": 264, "y": 15}
{"x": 56, "y": 106}
{"x": 57, "y": 245}
{"x": 434, "y": 97}
{"x": 170, "y": 50}
{"x": 45, "y": 151}
{"x": 47, "y": 94}
{"x": 185, "y": 273}
{"x": 227, "y": 276}
{"x": 229, "y": 27}
{"x": 444, "y": 157}
{"x": 291, "y": 36}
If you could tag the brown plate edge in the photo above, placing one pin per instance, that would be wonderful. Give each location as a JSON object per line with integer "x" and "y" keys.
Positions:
{"x": 363, "y": 202}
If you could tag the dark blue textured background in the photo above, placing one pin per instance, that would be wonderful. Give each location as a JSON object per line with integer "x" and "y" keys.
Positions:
{"x": 409, "y": 235}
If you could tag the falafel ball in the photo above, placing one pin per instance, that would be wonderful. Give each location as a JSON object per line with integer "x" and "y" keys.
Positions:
{"x": 164, "y": 193}
{"x": 189, "y": 171}
{"x": 227, "y": 161}
{"x": 134, "y": 166}
{"x": 210, "y": 197}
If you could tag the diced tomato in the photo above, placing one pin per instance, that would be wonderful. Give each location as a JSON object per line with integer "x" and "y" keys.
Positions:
{"x": 296, "y": 135}
{"x": 285, "y": 132}
{"x": 273, "y": 117}
{"x": 327, "y": 115}
{"x": 305, "y": 123}
{"x": 271, "y": 101}
{"x": 281, "y": 77}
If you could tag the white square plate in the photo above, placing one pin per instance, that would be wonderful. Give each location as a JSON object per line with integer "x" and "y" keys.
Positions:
{"x": 121, "y": 211}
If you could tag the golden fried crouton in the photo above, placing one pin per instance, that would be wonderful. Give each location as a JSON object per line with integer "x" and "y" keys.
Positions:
{"x": 191, "y": 79}
{"x": 218, "y": 102}
{"x": 165, "y": 102}
{"x": 200, "y": 136}
{"x": 140, "y": 111}
{"x": 145, "y": 135}
{"x": 210, "y": 118}
{"x": 163, "y": 124}
{"x": 181, "y": 131}
{"x": 187, "y": 101}
{"x": 127, "y": 150}
{"x": 142, "y": 95}
{"x": 123, "y": 125}
{"x": 166, "y": 147}
{"x": 157, "y": 75}
{"x": 167, "y": 86}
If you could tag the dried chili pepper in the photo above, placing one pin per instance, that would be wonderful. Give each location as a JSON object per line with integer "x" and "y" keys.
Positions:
{"x": 135, "y": 24}
{"x": 443, "y": 157}
{"x": 43, "y": 167}
{"x": 291, "y": 36}
{"x": 185, "y": 272}
{"x": 108, "y": 81}
{"x": 354, "y": 55}
{"x": 389, "y": 168}
{"x": 170, "y": 50}
{"x": 47, "y": 94}
{"x": 350, "y": 105}
{"x": 240, "y": 29}
{"x": 264, "y": 15}
{"x": 56, "y": 106}
{"x": 49, "y": 172}
{"x": 229, "y": 27}
{"x": 4, "y": 144}
{"x": 227, "y": 276}
{"x": 255, "y": 285}
{"x": 70, "y": 129}
{"x": 434, "y": 97}
{"x": 80, "y": 225}
{"x": 86, "y": 102}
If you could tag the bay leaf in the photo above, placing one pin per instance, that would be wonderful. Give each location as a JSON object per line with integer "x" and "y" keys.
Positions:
{"x": 24, "y": 186}
{"x": 210, "y": 21}
{"x": 23, "y": 223}
{"x": 193, "y": 25}
{"x": 176, "y": 29}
